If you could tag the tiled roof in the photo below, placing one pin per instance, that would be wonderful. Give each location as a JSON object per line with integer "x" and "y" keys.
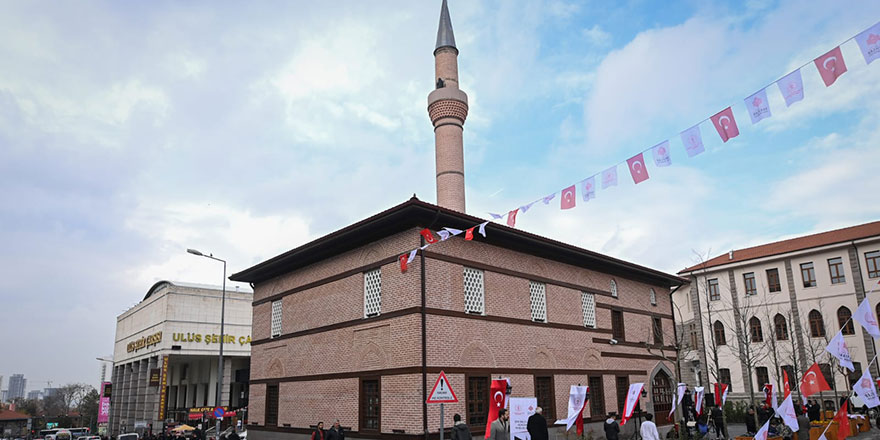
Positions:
{"x": 12, "y": 415}
{"x": 792, "y": 245}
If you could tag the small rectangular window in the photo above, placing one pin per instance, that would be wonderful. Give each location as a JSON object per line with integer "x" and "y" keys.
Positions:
{"x": 622, "y": 383}
{"x": 371, "y": 405}
{"x": 714, "y": 294}
{"x": 538, "y": 297}
{"x": 751, "y": 286}
{"x": 724, "y": 377}
{"x": 773, "y": 280}
{"x": 658, "y": 331}
{"x": 835, "y": 267}
{"x": 372, "y": 293}
{"x": 276, "y": 318}
{"x": 597, "y": 396}
{"x": 474, "y": 296}
{"x": 272, "y": 405}
{"x": 477, "y": 400}
{"x": 545, "y": 395}
{"x": 808, "y": 273}
{"x": 617, "y": 331}
{"x": 588, "y": 303}
{"x": 762, "y": 376}
{"x": 872, "y": 260}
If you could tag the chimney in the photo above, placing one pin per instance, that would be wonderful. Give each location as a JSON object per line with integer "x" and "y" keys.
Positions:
{"x": 448, "y": 108}
{"x": 730, "y": 255}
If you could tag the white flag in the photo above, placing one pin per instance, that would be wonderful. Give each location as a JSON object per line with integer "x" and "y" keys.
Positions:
{"x": 661, "y": 154}
{"x": 762, "y": 433}
{"x": 412, "y": 256}
{"x": 682, "y": 387}
{"x": 869, "y": 43}
{"x": 454, "y": 231}
{"x": 525, "y": 208}
{"x": 699, "y": 392}
{"x": 792, "y": 87}
{"x": 632, "y": 398}
{"x": 577, "y": 399}
{"x": 786, "y": 411}
{"x": 837, "y": 348}
{"x": 693, "y": 141}
{"x": 759, "y": 107}
{"x": 773, "y": 402}
{"x": 589, "y": 188}
{"x": 609, "y": 177}
{"x": 865, "y": 316}
{"x": 495, "y": 216}
{"x": 482, "y": 229}
{"x": 865, "y": 388}
{"x": 444, "y": 234}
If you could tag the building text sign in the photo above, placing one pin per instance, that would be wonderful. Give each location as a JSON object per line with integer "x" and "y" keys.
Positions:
{"x": 145, "y": 342}
{"x": 211, "y": 338}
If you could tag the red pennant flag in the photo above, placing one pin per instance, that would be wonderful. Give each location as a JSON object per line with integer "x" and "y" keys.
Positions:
{"x": 768, "y": 394}
{"x": 831, "y": 66}
{"x": 842, "y": 418}
{"x": 637, "y": 168}
{"x": 429, "y": 237}
{"x": 579, "y": 423}
{"x": 511, "y": 217}
{"x": 567, "y": 201}
{"x": 469, "y": 234}
{"x": 497, "y": 400}
{"x": 786, "y": 386}
{"x": 402, "y": 260}
{"x": 725, "y": 124}
{"x": 717, "y": 395}
{"x": 814, "y": 382}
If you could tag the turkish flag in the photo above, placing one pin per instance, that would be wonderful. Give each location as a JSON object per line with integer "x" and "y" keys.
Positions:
{"x": 567, "y": 201}
{"x": 429, "y": 237}
{"x": 511, "y": 218}
{"x": 469, "y": 234}
{"x": 497, "y": 400}
{"x": 402, "y": 260}
{"x": 831, "y": 66}
{"x": 637, "y": 168}
{"x": 725, "y": 124}
{"x": 786, "y": 386}
{"x": 814, "y": 382}
{"x": 842, "y": 418}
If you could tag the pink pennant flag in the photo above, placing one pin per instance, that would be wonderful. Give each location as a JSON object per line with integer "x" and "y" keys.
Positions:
{"x": 763, "y": 432}
{"x": 831, "y": 66}
{"x": 569, "y": 198}
{"x": 693, "y": 141}
{"x": 589, "y": 189}
{"x": 661, "y": 154}
{"x": 865, "y": 316}
{"x": 725, "y": 124}
{"x": 637, "y": 168}
{"x": 869, "y": 43}
{"x": 792, "y": 87}
{"x": 511, "y": 218}
{"x": 609, "y": 177}
{"x": 759, "y": 107}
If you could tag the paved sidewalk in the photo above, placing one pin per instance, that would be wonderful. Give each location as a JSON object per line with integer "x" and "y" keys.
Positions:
{"x": 736, "y": 429}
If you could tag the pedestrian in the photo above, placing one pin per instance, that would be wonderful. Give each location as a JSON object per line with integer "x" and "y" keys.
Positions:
{"x": 718, "y": 421}
{"x": 537, "y": 425}
{"x": 318, "y": 433}
{"x": 460, "y": 430}
{"x": 612, "y": 428}
{"x": 649, "y": 429}
{"x": 815, "y": 412}
{"x": 336, "y": 432}
{"x": 751, "y": 427}
{"x": 498, "y": 429}
{"x": 803, "y": 426}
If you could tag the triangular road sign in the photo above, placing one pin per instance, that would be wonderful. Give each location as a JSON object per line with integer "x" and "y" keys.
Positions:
{"x": 442, "y": 392}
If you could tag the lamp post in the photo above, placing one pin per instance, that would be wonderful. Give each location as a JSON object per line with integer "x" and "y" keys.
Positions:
{"x": 222, "y": 335}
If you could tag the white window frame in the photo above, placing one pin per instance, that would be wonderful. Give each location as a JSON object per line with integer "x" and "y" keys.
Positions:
{"x": 653, "y": 297}
{"x": 276, "y": 318}
{"x": 588, "y": 305}
{"x": 538, "y": 301}
{"x": 474, "y": 291}
{"x": 613, "y": 288}
{"x": 373, "y": 293}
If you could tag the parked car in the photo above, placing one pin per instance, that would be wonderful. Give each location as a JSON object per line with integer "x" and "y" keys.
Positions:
{"x": 128, "y": 436}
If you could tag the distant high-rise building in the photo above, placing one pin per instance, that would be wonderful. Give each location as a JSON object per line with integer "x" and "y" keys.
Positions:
{"x": 17, "y": 386}
{"x": 35, "y": 395}
{"x": 47, "y": 392}
{"x": 3, "y": 395}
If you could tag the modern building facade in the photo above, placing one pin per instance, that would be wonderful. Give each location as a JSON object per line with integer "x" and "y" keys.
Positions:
{"x": 17, "y": 387}
{"x": 749, "y": 314}
{"x": 166, "y": 352}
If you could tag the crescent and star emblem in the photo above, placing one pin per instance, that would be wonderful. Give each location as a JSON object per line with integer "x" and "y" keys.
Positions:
{"x": 567, "y": 195}
{"x": 833, "y": 60}
{"x": 498, "y": 397}
{"x": 637, "y": 167}
{"x": 724, "y": 124}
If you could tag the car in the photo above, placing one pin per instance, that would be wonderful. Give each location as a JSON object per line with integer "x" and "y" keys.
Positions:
{"x": 90, "y": 437}
{"x": 128, "y": 436}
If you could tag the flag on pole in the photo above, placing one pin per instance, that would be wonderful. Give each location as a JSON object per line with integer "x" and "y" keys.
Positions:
{"x": 511, "y": 218}
{"x": 675, "y": 402}
{"x": 869, "y": 43}
{"x": 609, "y": 177}
{"x": 637, "y": 168}
{"x": 831, "y": 66}
{"x": 864, "y": 387}
{"x": 843, "y": 430}
{"x": 763, "y": 432}
{"x": 786, "y": 412}
{"x": 699, "y": 392}
{"x": 814, "y": 381}
{"x": 632, "y": 399}
{"x": 693, "y": 141}
{"x": 758, "y": 105}
{"x": 577, "y": 401}
{"x": 497, "y": 400}
{"x": 568, "y": 199}
{"x": 837, "y": 348}
{"x": 725, "y": 124}
{"x": 589, "y": 189}
{"x": 865, "y": 316}
{"x": 721, "y": 394}
{"x": 661, "y": 154}
{"x": 792, "y": 87}
{"x": 786, "y": 386}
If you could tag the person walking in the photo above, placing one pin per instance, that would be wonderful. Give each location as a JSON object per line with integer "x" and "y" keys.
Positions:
{"x": 537, "y": 425}
{"x": 612, "y": 428}
{"x": 751, "y": 426}
{"x": 460, "y": 430}
{"x": 318, "y": 433}
{"x": 803, "y": 426}
{"x": 649, "y": 429}
{"x": 718, "y": 421}
{"x": 335, "y": 432}
{"x": 499, "y": 428}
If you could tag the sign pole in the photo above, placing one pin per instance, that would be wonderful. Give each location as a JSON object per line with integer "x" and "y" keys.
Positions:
{"x": 441, "y": 421}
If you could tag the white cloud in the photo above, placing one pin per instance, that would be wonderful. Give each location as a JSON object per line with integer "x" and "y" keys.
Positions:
{"x": 597, "y": 36}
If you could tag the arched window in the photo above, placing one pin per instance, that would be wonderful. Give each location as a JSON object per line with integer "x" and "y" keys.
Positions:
{"x": 653, "y": 297}
{"x": 817, "y": 325}
{"x": 614, "y": 288}
{"x": 755, "y": 329}
{"x": 844, "y": 321}
{"x": 781, "y": 327}
{"x": 720, "y": 338}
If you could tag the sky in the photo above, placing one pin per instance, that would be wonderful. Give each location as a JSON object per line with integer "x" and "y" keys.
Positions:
{"x": 130, "y": 131}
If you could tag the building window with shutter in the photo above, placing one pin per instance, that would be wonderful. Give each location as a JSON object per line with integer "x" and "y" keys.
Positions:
{"x": 762, "y": 376}
{"x": 597, "y": 396}
{"x": 658, "y": 331}
{"x": 588, "y": 303}
{"x": 872, "y": 260}
{"x": 751, "y": 286}
{"x": 622, "y": 383}
{"x": 370, "y": 405}
{"x": 271, "y": 405}
{"x": 835, "y": 267}
{"x": 724, "y": 377}
{"x": 844, "y": 320}
{"x": 545, "y": 396}
{"x": 372, "y": 293}
{"x": 817, "y": 324}
{"x": 808, "y": 273}
{"x": 714, "y": 294}
{"x": 477, "y": 400}
{"x": 617, "y": 325}
{"x": 773, "y": 280}
{"x": 538, "y": 294}
{"x": 474, "y": 296}
{"x": 755, "y": 330}
{"x": 781, "y": 327}
{"x": 720, "y": 336}
{"x": 276, "y": 318}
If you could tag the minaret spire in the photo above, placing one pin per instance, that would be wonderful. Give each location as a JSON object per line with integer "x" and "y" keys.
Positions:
{"x": 448, "y": 108}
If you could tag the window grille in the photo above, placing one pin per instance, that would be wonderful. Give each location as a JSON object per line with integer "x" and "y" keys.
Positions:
{"x": 372, "y": 293}
{"x": 588, "y": 302}
{"x": 276, "y": 319}
{"x": 474, "y": 295}
{"x": 539, "y": 301}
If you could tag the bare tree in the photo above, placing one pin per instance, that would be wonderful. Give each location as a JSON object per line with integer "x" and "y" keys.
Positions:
{"x": 749, "y": 347}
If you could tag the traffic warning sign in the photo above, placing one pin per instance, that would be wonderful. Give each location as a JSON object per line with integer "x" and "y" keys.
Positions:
{"x": 442, "y": 392}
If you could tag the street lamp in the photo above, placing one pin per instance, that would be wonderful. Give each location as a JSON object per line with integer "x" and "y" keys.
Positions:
{"x": 222, "y": 336}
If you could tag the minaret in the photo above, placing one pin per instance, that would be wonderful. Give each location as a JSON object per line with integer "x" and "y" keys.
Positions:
{"x": 448, "y": 108}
